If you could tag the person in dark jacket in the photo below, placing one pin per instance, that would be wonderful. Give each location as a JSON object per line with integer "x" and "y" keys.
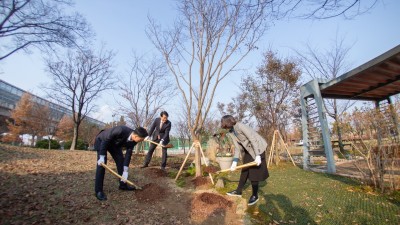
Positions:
{"x": 252, "y": 147}
{"x": 159, "y": 132}
{"x": 112, "y": 140}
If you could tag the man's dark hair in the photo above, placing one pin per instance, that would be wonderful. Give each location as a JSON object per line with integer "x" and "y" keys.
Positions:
{"x": 164, "y": 113}
{"x": 141, "y": 132}
{"x": 227, "y": 122}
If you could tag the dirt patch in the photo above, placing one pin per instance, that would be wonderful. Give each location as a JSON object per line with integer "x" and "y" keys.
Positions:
{"x": 211, "y": 169}
{"x": 213, "y": 199}
{"x": 155, "y": 172}
{"x": 208, "y": 205}
{"x": 200, "y": 181}
{"x": 150, "y": 192}
{"x": 65, "y": 180}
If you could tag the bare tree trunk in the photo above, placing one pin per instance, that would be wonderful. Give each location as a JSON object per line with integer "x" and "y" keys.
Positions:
{"x": 183, "y": 145}
{"x": 75, "y": 138}
{"x": 339, "y": 134}
{"x": 33, "y": 140}
{"x": 197, "y": 157}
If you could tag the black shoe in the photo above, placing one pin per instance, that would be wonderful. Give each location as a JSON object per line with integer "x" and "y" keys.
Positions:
{"x": 234, "y": 193}
{"x": 144, "y": 166}
{"x": 101, "y": 196}
{"x": 126, "y": 188}
{"x": 253, "y": 199}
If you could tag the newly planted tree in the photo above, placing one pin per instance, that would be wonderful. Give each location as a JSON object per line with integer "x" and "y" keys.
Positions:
{"x": 208, "y": 42}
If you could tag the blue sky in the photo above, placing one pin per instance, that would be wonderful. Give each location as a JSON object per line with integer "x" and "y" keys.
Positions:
{"x": 121, "y": 26}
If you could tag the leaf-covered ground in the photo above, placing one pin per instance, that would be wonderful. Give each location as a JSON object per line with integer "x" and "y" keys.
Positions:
{"x": 57, "y": 187}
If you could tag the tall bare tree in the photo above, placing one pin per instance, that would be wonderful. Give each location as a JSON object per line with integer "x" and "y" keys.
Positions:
{"x": 40, "y": 23}
{"x": 208, "y": 42}
{"x": 329, "y": 64}
{"x": 272, "y": 92}
{"x": 145, "y": 90}
{"x": 78, "y": 80}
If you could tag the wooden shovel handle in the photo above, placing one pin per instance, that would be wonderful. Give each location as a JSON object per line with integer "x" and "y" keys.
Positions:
{"x": 119, "y": 176}
{"x": 239, "y": 167}
{"x": 158, "y": 144}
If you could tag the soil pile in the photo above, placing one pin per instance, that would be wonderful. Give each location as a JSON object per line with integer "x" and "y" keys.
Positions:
{"x": 150, "y": 192}
{"x": 207, "y": 205}
{"x": 199, "y": 181}
{"x": 213, "y": 199}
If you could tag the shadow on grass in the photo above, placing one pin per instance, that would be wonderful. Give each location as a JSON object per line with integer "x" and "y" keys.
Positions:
{"x": 345, "y": 180}
{"x": 280, "y": 209}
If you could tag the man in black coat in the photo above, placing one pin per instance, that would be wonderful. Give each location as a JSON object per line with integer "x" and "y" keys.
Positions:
{"x": 112, "y": 140}
{"x": 159, "y": 132}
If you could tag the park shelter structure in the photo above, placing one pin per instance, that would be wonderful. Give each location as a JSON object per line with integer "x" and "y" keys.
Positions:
{"x": 375, "y": 80}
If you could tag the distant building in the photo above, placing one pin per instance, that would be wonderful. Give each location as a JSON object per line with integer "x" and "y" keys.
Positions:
{"x": 10, "y": 95}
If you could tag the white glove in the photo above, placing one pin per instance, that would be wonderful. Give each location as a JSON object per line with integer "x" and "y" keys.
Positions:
{"x": 101, "y": 160}
{"x": 258, "y": 160}
{"x": 233, "y": 166}
{"x": 162, "y": 142}
{"x": 125, "y": 174}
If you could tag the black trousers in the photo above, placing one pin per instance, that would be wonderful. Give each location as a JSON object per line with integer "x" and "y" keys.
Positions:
{"x": 117, "y": 155}
{"x": 255, "y": 173}
{"x": 150, "y": 154}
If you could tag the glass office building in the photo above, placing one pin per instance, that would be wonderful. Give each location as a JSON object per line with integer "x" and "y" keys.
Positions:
{"x": 10, "y": 95}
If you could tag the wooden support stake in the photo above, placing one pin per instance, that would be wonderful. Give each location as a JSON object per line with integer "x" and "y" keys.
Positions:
{"x": 205, "y": 162}
{"x": 287, "y": 150}
{"x": 184, "y": 161}
{"x": 271, "y": 151}
{"x": 119, "y": 176}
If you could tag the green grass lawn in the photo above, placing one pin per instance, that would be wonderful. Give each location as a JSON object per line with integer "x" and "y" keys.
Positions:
{"x": 295, "y": 196}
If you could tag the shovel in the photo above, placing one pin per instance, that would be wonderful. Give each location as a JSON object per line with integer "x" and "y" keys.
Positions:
{"x": 239, "y": 167}
{"x": 119, "y": 176}
{"x": 169, "y": 145}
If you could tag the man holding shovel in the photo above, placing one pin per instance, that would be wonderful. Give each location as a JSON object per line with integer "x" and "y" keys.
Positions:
{"x": 252, "y": 146}
{"x": 112, "y": 140}
{"x": 159, "y": 132}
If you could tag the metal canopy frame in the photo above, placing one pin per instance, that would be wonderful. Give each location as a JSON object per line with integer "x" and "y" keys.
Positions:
{"x": 376, "y": 80}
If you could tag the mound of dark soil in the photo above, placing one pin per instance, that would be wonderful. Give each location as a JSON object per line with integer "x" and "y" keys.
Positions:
{"x": 208, "y": 204}
{"x": 199, "y": 181}
{"x": 213, "y": 199}
{"x": 150, "y": 193}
